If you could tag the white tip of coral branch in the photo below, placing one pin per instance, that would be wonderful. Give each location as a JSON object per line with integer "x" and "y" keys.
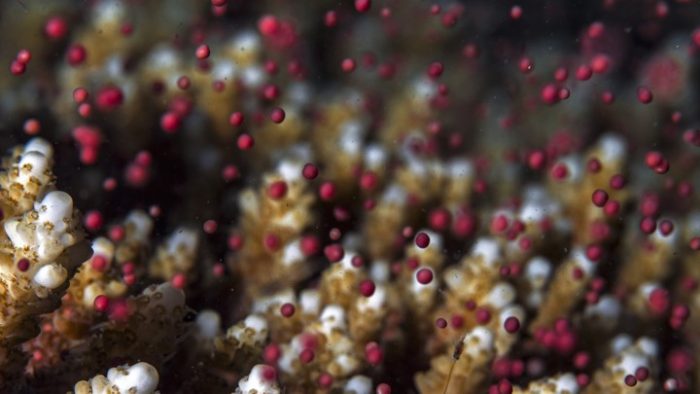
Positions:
{"x": 141, "y": 223}
{"x": 290, "y": 170}
{"x": 613, "y": 148}
{"x": 101, "y": 246}
{"x": 39, "y": 145}
{"x": 56, "y": 207}
{"x": 461, "y": 169}
{"x": 253, "y": 76}
{"x": 574, "y": 167}
{"x": 566, "y": 383}
{"x": 246, "y": 42}
{"x": 183, "y": 240}
{"x": 261, "y": 380}
{"x": 488, "y": 249}
{"x": 257, "y": 324}
{"x": 166, "y": 295}
{"x": 501, "y": 295}
{"x": 358, "y": 384}
{"x": 374, "y": 302}
{"x": 649, "y": 346}
{"x": 51, "y": 276}
{"x": 538, "y": 269}
{"x": 33, "y": 165}
{"x": 208, "y": 323}
{"x": 310, "y": 301}
{"x": 332, "y": 318}
{"x": 478, "y": 340}
{"x": 141, "y": 377}
{"x": 375, "y": 156}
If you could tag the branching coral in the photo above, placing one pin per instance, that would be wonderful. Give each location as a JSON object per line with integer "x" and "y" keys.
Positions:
{"x": 141, "y": 378}
{"x": 42, "y": 245}
{"x": 370, "y": 197}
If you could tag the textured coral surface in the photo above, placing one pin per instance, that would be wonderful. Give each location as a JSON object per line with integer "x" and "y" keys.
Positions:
{"x": 349, "y": 197}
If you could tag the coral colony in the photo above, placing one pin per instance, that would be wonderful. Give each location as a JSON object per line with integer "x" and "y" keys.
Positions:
{"x": 350, "y": 197}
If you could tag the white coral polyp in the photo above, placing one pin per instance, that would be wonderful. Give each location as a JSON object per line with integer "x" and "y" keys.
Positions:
{"x": 141, "y": 377}
{"x": 55, "y": 212}
{"x": 290, "y": 170}
{"x": 140, "y": 225}
{"x": 613, "y": 147}
{"x": 40, "y": 145}
{"x": 310, "y": 301}
{"x": 478, "y": 340}
{"x": 565, "y": 383}
{"x": 332, "y": 318}
{"x": 255, "y": 325}
{"x": 183, "y": 242}
{"x": 32, "y": 172}
{"x": 501, "y": 294}
{"x": 375, "y": 302}
{"x": 49, "y": 234}
{"x": 358, "y": 384}
{"x": 292, "y": 253}
{"x": 165, "y": 295}
{"x": 102, "y": 246}
{"x": 33, "y": 165}
{"x": 260, "y": 381}
{"x": 91, "y": 292}
{"x": 246, "y": 43}
{"x": 51, "y": 276}
{"x": 487, "y": 248}
{"x": 208, "y": 323}
{"x": 55, "y": 208}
